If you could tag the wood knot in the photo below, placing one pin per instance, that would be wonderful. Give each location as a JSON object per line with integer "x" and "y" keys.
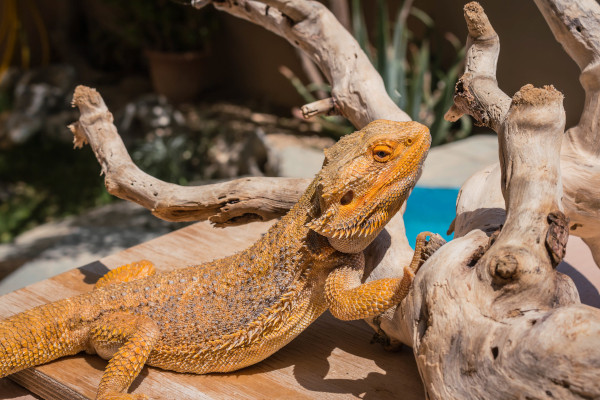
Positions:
{"x": 557, "y": 236}
{"x": 506, "y": 266}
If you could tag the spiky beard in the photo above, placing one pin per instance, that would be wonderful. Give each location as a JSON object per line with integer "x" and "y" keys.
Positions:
{"x": 355, "y": 228}
{"x": 362, "y": 225}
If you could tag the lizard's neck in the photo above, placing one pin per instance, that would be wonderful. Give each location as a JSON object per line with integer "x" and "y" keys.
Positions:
{"x": 291, "y": 239}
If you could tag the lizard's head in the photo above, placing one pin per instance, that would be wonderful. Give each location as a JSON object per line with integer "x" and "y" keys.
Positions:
{"x": 365, "y": 179}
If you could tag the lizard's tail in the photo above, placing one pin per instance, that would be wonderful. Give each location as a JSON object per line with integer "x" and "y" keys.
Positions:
{"x": 40, "y": 335}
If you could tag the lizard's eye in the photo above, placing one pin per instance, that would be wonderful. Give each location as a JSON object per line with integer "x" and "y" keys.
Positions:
{"x": 408, "y": 141}
{"x": 382, "y": 153}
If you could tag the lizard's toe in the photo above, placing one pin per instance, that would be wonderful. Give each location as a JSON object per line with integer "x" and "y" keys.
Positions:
{"x": 123, "y": 396}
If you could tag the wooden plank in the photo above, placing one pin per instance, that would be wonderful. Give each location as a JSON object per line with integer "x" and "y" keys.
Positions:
{"x": 12, "y": 391}
{"x": 330, "y": 360}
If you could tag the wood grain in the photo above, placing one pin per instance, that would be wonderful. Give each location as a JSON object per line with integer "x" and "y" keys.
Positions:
{"x": 330, "y": 360}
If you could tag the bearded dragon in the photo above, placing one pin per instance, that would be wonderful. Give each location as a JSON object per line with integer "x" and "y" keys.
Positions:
{"x": 234, "y": 312}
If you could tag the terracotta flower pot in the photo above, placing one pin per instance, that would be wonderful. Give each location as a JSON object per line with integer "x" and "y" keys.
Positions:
{"x": 180, "y": 77}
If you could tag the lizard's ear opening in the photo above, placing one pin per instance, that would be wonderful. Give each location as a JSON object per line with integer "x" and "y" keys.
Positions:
{"x": 347, "y": 198}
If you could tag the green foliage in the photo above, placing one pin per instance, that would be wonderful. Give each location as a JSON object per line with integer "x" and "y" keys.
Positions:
{"x": 412, "y": 72}
{"x": 44, "y": 179}
{"x": 177, "y": 155}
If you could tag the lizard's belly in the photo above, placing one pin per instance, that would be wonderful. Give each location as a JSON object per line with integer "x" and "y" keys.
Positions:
{"x": 246, "y": 347}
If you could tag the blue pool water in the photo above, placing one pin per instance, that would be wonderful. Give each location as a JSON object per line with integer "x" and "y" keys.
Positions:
{"x": 430, "y": 209}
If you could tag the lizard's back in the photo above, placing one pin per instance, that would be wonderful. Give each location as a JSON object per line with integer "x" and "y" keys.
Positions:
{"x": 227, "y": 313}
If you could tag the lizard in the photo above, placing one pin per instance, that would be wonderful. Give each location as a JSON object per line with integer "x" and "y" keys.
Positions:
{"x": 233, "y": 312}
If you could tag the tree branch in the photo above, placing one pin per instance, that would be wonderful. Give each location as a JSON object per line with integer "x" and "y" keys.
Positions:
{"x": 357, "y": 88}
{"x": 238, "y": 201}
{"x": 576, "y": 25}
{"x": 491, "y": 317}
{"x": 477, "y": 93}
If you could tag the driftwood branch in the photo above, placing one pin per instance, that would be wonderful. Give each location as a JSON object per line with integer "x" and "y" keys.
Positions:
{"x": 238, "y": 201}
{"x": 477, "y": 92}
{"x": 319, "y": 107}
{"x": 489, "y": 316}
{"x": 576, "y": 25}
{"x": 357, "y": 88}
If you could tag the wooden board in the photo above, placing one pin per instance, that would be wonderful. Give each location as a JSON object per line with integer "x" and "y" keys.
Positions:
{"x": 330, "y": 360}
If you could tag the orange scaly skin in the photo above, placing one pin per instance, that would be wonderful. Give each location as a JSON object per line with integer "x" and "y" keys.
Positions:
{"x": 234, "y": 312}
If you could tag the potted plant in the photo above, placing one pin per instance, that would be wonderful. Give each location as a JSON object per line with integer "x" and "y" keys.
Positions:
{"x": 174, "y": 38}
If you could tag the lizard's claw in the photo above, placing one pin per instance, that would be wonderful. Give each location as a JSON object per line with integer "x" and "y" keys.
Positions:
{"x": 420, "y": 244}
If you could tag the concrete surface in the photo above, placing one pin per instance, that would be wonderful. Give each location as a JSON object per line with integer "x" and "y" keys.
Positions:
{"x": 450, "y": 165}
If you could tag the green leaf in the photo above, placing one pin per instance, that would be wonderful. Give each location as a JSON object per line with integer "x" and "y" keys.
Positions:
{"x": 422, "y": 16}
{"x": 420, "y": 66}
{"x": 395, "y": 77}
{"x": 359, "y": 27}
{"x": 382, "y": 37}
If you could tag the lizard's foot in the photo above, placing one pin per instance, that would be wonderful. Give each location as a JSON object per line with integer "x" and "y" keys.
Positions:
{"x": 134, "y": 336}
{"x": 388, "y": 344}
{"x": 424, "y": 248}
{"x": 126, "y": 273}
{"x": 122, "y": 396}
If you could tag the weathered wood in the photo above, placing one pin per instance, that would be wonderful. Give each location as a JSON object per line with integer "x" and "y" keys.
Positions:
{"x": 331, "y": 360}
{"x": 489, "y": 316}
{"x": 576, "y": 25}
{"x": 235, "y": 202}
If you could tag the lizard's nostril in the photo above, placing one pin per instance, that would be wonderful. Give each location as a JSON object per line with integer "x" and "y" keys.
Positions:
{"x": 347, "y": 198}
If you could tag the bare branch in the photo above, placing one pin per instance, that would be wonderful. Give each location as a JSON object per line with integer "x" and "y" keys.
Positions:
{"x": 576, "y": 25}
{"x": 491, "y": 317}
{"x": 477, "y": 93}
{"x": 233, "y": 202}
{"x": 319, "y": 107}
{"x": 357, "y": 88}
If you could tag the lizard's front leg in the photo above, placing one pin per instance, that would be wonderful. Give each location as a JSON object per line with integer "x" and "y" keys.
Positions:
{"x": 349, "y": 299}
{"x": 127, "y": 340}
{"x": 126, "y": 273}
